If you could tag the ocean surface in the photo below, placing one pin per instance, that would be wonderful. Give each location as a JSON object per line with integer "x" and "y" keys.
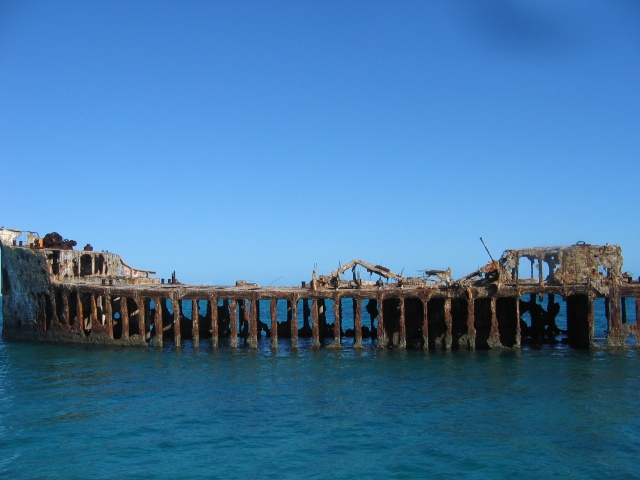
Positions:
{"x": 87, "y": 412}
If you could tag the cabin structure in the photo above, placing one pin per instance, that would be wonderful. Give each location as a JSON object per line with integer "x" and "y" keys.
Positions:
{"x": 54, "y": 293}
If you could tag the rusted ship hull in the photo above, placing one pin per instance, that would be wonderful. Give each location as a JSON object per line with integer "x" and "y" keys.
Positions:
{"x": 54, "y": 293}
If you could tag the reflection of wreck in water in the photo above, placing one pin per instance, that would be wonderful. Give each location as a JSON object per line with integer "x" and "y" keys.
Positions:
{"x": 54, "y": 293}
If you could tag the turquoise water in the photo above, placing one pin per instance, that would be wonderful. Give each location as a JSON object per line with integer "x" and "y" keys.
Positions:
{"x": 86, "y": 412}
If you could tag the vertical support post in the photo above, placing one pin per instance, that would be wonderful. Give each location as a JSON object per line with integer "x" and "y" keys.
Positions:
{"x": 54, "y": 309}
{"x": 637, "y": 335}
{"x": 177, "y": 334}
{"x": 315, "y": 326}
{"x": 94, "y": 310}
{"x": 80, "y": 313}
{"x": 471, "y": 319}
{"x": 108, "y": 308}
{"x": 403, "y": 326}
{"x": 233, "y": 341}
{"x": 124, "y": 318}
{"x": 141, "y": 317}
{"x": 294, "y": 322}
{"x": 213, "y": 301}
{"x": 253, "y": 323}
{"x": 591, "y": 319}
{"x": 337, "y": 329}
{"x": 615, "y": 330}
{"x": 257, "y": 313}
{"x": 273, "y": 310}
{"x": 382, "y": 338}
{"x": 494, "y": 335}
{"x": 540, "y": 279}
{"x": 623, "y": 310}
{"x": 518, "y": 332}
{"x": 157, "y": 323}
{"x": 195, "y": 318}
{"x": 425, "y": 322}
{"x": 448, "y": 339}
{"x": 65, "y": 308}
{"x": 357, "y": 322}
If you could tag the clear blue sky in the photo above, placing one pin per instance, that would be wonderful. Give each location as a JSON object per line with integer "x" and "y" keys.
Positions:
{"x": 249, "y": 140}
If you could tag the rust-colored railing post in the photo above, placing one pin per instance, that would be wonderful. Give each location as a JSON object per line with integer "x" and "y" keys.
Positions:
{"x": 425, "y": 322}
{"x": 108, "y": 308}
{"x": 471, "y": 319}
{"x": 382, "y": 337}
{"x": 591, "y": 318}
{"x": 253, "y": 323}
{"x": 177, "y": 334}
{"x": 195, "y": 319}
{"x": 273, "y": 311}
{"x": 213, "y": 301}
{"x": 65, "y": 308}
{"x": 448, "y": 339}
{"x": 94, "y": 311}
{"x": 637, "y": 333}
{"x": 403, "y": 326}
{"x": 294, "y": 321}
{"x": 315, "y": 327}
{"x": 79, "y": 314}
{"x": 518, "y": 332}
{"x": 157, "y": 323}
{"x": 357, "y": 323}
{"x": 337, "y": 329}
{"x": 55, "y": 323}
{"x": 124, "y": 318}
{"x": 233, "y": 340}
{"x": 494, "y": 335}
{"x": 614, "y": 338}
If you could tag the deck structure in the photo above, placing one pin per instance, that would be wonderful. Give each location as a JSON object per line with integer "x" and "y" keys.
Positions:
{"x": 54, "y": 293}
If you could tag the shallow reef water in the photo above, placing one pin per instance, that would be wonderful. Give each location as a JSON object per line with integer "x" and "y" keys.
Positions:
{"x": 105, "y": 412}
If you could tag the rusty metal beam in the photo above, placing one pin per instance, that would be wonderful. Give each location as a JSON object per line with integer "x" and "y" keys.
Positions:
{"x": 157, "y": 322}
{"x": 357, "y": 323}
{"x": 79, "y": 315}
{"x": 253, "y": 323}
{"x": 177, "y": 334}
{"x": 471, "y": 319}
{"x": 315, "y": 326}
{"x": 195, "y": 329}
{"x": 337, "y": 327}
{"x": 233, "y": 338}
{"x": 403, "y": 326}
{"x": 124, "y": 318}
{"x": 294, "y": 322}
{"x": 273, "y": 310}
{"x": 213, "y": 302}
{"x": 382, "y": 337}
{"x": 494, "y": 335}
{"x": 425, "y": 322}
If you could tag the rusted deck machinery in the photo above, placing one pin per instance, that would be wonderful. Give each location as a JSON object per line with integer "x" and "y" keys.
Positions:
{"x": 54, "y": 293}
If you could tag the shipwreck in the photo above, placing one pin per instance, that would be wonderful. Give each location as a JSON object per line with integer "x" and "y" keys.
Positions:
{"x": 54, "y": 293}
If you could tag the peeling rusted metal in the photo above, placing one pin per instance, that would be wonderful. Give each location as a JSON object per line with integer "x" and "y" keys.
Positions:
{"x": 195, "y": 328}
{"x": 59, "y": 294}
{"x": 357, "y": 322}
{"x": 273, "y": 312}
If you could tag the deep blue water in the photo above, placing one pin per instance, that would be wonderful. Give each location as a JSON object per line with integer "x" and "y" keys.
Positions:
{"x": 87, "y": 412}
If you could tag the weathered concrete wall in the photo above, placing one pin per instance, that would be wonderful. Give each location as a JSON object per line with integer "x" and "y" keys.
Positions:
{"x": 25, "y": 286}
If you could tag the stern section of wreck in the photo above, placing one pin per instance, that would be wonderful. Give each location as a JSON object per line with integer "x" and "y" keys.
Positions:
{"x": 43, "y": 296}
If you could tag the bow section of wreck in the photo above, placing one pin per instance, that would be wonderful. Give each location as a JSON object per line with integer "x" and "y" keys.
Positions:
{"x": 54, "y": 293}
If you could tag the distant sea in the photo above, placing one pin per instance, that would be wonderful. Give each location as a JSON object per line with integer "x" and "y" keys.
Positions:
{"x": 91, "y": 412}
